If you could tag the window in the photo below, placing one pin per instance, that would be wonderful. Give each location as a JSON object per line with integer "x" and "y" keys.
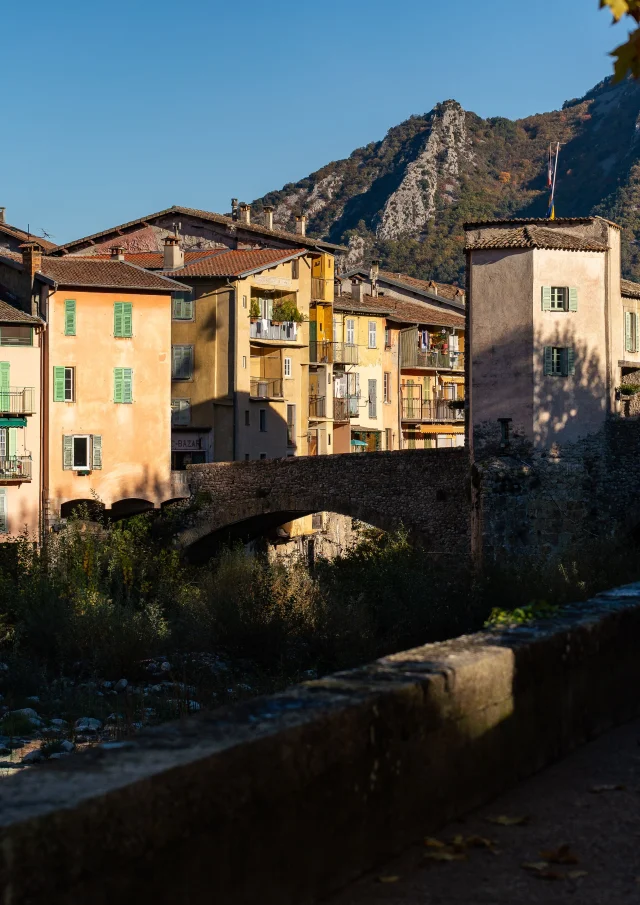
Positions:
{"x": 182, "y": 362}
{"x": 351, "y": 332}
{"x": 295, "y": 269}
{"x": 64, "y": 384}
{"x": 287, "y": 367}
{"x": 246, "y": 457}
{"x": 70, "y": 317}
{"x": 559, "y": 298}
{"x": 373, "y": 402}
{"x": 372, "y": 334}
{"x": 559, "y": 361}
{"x": 291, "y": 425}
{"x": 387, "y": 386}
{"x": 263, "y": 455}
{"x": 122, "y": 319}
{"x": 15, "y": 335}
{"x": 247, "y": 418}
{"x": 4, "y": 515}
{"x": 182, "y": 306}
{"x": 263, "y": 421}
{"x": 387, "y": 338}
{"x": 316, "y": 521}
{"x": 388, "y": 438}
{"x": 82, "y": 452}
{"x": 180, "y": 411}
{"x": 630, "y": 331}
{"x": 123, "y": 385}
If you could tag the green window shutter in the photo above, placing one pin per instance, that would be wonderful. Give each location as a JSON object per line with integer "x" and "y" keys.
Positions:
{"x": 4, "y": 515}
{"x": 127, "y": 385}
{"x": 573, "y": 298}
{"x": 127, "y": 319}
{"x": 5, "y": 380}
{"x": 96, "y": 451}
{"x": 634, "y": 332}
{"x": 58, "y": 384}
{"x": 177, "y": 307}
{"x": 70, "y": 317}
{"x": 117, "y": 319}
{"x": 546, "y": 298}
{"x": 118, "y": 384}
{"x": 187, "y": 308}
{"x": 569, "y": 361}
{"x": 67, "y": 452}
{"x": 13, "y": 441}
{"x": 548, "y": 359}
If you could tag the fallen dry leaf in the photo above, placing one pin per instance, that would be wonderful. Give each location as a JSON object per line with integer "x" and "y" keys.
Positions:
{"x": 505, "y": 820}
{"x": 479, "y": 842}
{"x": 541, "y": 869}
{"x": 391, "y": 879}
{"x": 444, "y": 855}
{"x": 561, "y": 855}
{"x": 619, "y": 787}
{"x": 535, "y": 865}
{"x": 430, "y": 842}
{"x": 576, "y": 874}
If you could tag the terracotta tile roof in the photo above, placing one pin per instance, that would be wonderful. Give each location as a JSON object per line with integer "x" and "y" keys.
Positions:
{"x": 23, "y": 236}
{"x": 536, "y": 237}
{"x": 523, "y": 221}
{"x": 79, "y": 271}
{"x": 236, "y": 263}
{"x": 630, "y": 289}
{"x": 154, "y": 260}
{"x": 255, "y": 228}
{"x": 401, "y": 311}
{"x": 442, "y": 289}
{"x": 13, "y": 315}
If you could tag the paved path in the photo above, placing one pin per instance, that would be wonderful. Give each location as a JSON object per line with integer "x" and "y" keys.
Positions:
{"x": 566, "y": 805}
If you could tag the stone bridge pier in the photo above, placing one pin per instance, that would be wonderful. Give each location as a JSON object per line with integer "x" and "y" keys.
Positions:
{"x": 426, "y": 491}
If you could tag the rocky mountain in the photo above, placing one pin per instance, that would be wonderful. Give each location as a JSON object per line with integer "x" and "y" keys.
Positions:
{"x": 404, "y": 199}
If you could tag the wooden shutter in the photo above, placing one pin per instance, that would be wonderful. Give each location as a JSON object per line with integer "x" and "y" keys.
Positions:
{"x": 373, "y": 389}
{"x": 546, "y": 299}
{"x": 127, "y": 385}
{"x": 548, "y": 359}
{"x": 58, "y": 384}
{"x": 127, "y": 319}
{"x": 5, "y": 381}
{"x": 118, "y": 384}
{"x": 570, "y": 361}
{"x": 117, "y": 319}
{"x": 96, "y": 451}
{"x": 67, "y": 452}
{"x": 4, "y": 516}
{"x": 573, "y": 298}
{"x": 70, "y": 317}
{"x": 13, "y": 441}
{"x": 177, "y": 307}
{"x": 634, "y": 332}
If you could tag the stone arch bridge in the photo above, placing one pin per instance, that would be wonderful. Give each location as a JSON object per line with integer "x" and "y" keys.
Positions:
{"x": 426, "y": 491}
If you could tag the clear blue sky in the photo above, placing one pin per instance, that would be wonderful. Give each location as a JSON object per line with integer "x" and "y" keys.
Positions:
{"x": 112, "y": 111}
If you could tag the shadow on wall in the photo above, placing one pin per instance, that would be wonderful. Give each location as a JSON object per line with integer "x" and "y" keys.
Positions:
{"x": 135, "y": 496}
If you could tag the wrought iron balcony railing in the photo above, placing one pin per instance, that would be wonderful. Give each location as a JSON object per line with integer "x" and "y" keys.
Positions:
{"x": 15, "y": 468}
{"x": 424, "y": 358}
{"x": 317, "y": 407}
{"x": 280, "y": 332}
{"x": 325, "y": 352}
{"x": 432, "y": 410}
{"x": 17, "y": 401}
{"x": 266, "y": 387}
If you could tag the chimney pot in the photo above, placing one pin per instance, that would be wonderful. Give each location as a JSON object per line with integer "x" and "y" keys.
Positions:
{"x": 117, "y": 253}
{"x": 31, "y": 264}
{"x": 2, "y": 210}
{"x": 268, "y": 216}
{"x": 301, "y": 225}
{"x": 234, "y": 208}
{"x": 357, "y": 289}
{"x": 245, "y": 213}
{"x": 173, "y": 253}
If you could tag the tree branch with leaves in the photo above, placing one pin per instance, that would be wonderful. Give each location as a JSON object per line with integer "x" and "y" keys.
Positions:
{"x": 627, "y": 55}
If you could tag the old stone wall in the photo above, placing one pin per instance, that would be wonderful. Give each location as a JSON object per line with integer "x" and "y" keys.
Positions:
{"x": 427, "y": 491}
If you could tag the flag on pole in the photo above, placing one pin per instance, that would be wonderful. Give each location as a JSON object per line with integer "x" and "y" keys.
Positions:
{"x": 552, "y": 170}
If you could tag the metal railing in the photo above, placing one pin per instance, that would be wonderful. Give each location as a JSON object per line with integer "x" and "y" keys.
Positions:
{"x": 317, "y": 407}
{"x": 321, "y": 290}
{"x": 424, "y": 358}
{"x": 340, "y": 409}
{"x": 281, "y": 332}
{"x": 15, "y": 468}
{"x": 17, "y": 401}
{"x": 326, "y": 352}
{"x": 266, "y": 387}
{"x": 432, "y": 410}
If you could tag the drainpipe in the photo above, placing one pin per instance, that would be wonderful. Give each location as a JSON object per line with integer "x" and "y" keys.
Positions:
{"x": 44, "y": 429}
{"x": 233, "y": 370}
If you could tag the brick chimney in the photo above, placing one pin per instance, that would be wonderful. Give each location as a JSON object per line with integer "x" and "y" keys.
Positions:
{"x": 374, "y": 273}
{"x": 234, "y": 208}
{"x": 2, "y": 210}
{"x": 245, "y": 213}
{"x": 31, "y": 264}
{"x": 117, "y": 252}
{"x": 301, "y": 225}
{"x": 173, "y": 254}
{"x": 268, "y": 217}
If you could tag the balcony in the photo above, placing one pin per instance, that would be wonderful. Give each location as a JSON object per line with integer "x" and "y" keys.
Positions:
{"x": 266, "y": 388}
{"x": 317, "y": 407}
{"x": 325, "y": 352}
{"x": 321, "y": 290}
{"x": 432, "y": 410}
{"x": 17, "y": 401}
{"x": 265, "y": 329}
{"x": 15, "y": 468}
{"x": 430, "y": 358}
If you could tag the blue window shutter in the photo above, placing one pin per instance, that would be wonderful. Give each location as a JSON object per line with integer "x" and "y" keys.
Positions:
{"x": 573, "y": 298}
{"x": 546, "y": 298}
{"x": 70, "y": 317}
{"x": 117, "y": 319}
{"x": 96, "y": 451}
{"x": 548, "y": 360}
{"x": 67, "y": 452}
{"x": 118, "y": 384}
{"x": 4, "y": 515}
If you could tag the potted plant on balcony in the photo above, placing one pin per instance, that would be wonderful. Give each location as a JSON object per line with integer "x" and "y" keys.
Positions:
{"x": 285, "y": 310}
{"x": 254, "y": 311}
